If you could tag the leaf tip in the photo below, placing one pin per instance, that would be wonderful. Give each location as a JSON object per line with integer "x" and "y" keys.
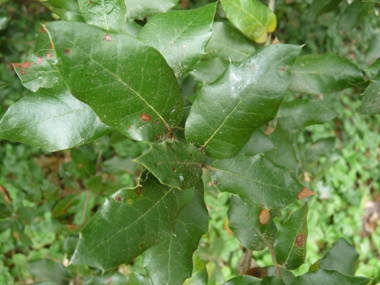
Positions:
{"x": 305, "y": 192}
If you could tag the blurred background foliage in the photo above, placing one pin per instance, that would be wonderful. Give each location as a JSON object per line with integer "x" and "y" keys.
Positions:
{"x": 46, "y": 198}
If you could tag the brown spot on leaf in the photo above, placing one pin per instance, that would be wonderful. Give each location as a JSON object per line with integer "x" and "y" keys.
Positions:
{"x": 91, "y": 3}
{"x": 157, "y": 122}
{"x": 305, "y": 192}
{"x": 49, "y": 54}
{"x": 130, "y": 202}
{"x": 276, "y": 41}
{"x": 16, "y": 235}
{"x": 80, "y": 165}
{"x": 118, "y": 198}
{"x": 5, "y": 192}
{"x": 40, "y": 60}
{"x": 300, "y": 240}
{"x": 258, "y": 272}
{"x": 141, "y": 245}
{"x": 145, "y": 118}
{"x": 23, "y": 72}
{"x": 252, "y": 67}
{"x": 191, "y": 155}
{"x": 170, "y": 136}
{"x": 215, "y": 182}
{"x": 138, "y": 192}
{"x": 264, "y": 216}
{"x": 72, "y": 227}
{"x": 158, "y": 137}
{"x": 26, "y": 65}
{"x": 173, "y": 168}
{"x": 42, "y": 29}
{"x": 67, "y": 51}
{"x": 282, "y": 69}
{"x": 107, "y": 38}
{"x": 109, "y": 280}
{"x": 50, "y": 45}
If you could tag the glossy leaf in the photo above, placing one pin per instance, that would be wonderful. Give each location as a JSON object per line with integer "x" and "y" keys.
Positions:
{"x": 50, "y": 118}
{"x": 256, "y": 180}
{"x": 207, "y": 71}
{"x": 228, "y": 43}
{"x": 243, "y": 280}
{"x": 108, "y": 278}
{"x": 353, "y": 15}
{"x": 130, "y": 222}
{"x": 371, "y": 100}
{"x": 328, "y": 277}
{"x": 180, "y": 36}
{"x": 248, "y": 94}
{"x": 283, "y": 153}
{"x": 342, "y": 257}
{"x": 67, "y": 10}
{"x": 324, "y": 73}
{"x": 138, "y": 279}
{"x": 251, "y": 17}
{"x": 48, "y": 270}
{"x": 109, "y": 15}
{"x": 140, "y": 9}
{"x": 199, "y": 275}
{"x": 259, "y": 143}
{"x": 298, "y": 114}
{"x": 145, "y": 101}
{"x": 245, "y": 223}
{"x": 164, "y": 260}
{"x": 174, "y": 164}
{"x": 290, "y": 245}
{"x": 319, "y": 7}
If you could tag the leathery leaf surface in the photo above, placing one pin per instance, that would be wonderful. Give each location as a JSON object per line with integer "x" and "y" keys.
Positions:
{"x": 177, "y": 165}
{"x": 256, "y": 180}
{"x": 245, "y": 97}
{"x": 130, "y": 222}
{"x": 127, "y": 83}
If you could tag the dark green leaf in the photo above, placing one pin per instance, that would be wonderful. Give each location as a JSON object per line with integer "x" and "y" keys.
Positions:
{"x": 252, "y": 225}
{"x": 174, "y": 164}
{"x": 138, "y": 279}
{"x": 320, "y": 148}
{"x": 324, "y": 73}
{"x": 371, "y": 100}
{"x": 273, "y": 280}
{"x": 18, "y": 232}
{"x": 329, "y": 277}
{"x": 353, "y": 15}
{"x": 298, "y": 114}
{"x": 130, "y": 222}
{"x": 290, "y": 245}
{"x": 243, "y": 280}
{"x": 253, "y": 18}
{"x": 108, "y": 15}
{"x": 171, "y": 261}
{"x": 109, "y": 278}
{"x": 4, "y": 224}
{"x": 5, "y": 211}
{"x": 255, "y": 179}
{"x": 228, "y": 43}
{"x": 199, "y": 275}
{"x": 207, "y": 71}
{"x": 84, "y": 161}
{"x": 373, "y": 51}
{"x": 48, "y": 270}
{"x": 180, "y": 36}
{"x": 145, "y": 101}
{"x": 342, "y": 257}
{"x": 64, "y": 204}
{"x": 227, "y": 112}
{"x": 375, "y": 67}
{"x": 259, "y": 143}
{"x": 140, "y": 9}
{"x": 319, "y": 7}
{"x": 67, "y": 10}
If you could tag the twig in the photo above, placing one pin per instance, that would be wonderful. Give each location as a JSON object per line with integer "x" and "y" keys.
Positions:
{"x": 271, "y": 5}
{"x": 278, "y": 271}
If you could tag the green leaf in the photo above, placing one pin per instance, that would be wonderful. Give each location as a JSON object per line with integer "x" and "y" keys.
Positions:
{"x": 180, "y": 36}
{"x": 255, "y": 179}
{"x": 109, "y": 278}
{"x": 243, "y": 280}
{"x": 199, "y": 275}
{"x": 132, "y": 28}
{"x": 320, "y": 148}
{"x": 228, "y": 44}
{"x": 84, "y": 161}
{"x": 328, "y": 277}
{"x": 140, "y": 9}
{"x": 42, "y": 41}
{"x": 54, "y": 120}
{"x": 290, "y": 245}
{"x": 283, "y": 153}
{"x": 298, "y": 114}
{"x": 144, "y": 104}
{"x": 342, "y": 257}
{"x": 319, "y": 7}
{"x": 130, "y": 222}
{"x": 64, "y": 204}
{"x": 252, "y": 225}
{"x": 324, "y": 73}
{"x": 174, "y": 164}
{"x": 108, "y": 15}
{"x": 5, "y": 211}
{"x": 353, "y": 15}
{"x": 371, "y": 100}
{"x": 273, "y": 280}
{"x": 138, "y": 279}
{"x": 251, "y": 17}
{"x": 48, "y": 270}
{"x": 67, "y": 10}
{"x": 248, "y": 94}
{"x": 259, "y": 143}
{"x": 207, "y": 71}
{"x": 373, "y": 51}
{"x": 164, "y": 260}
{"x": 375, "y": 67}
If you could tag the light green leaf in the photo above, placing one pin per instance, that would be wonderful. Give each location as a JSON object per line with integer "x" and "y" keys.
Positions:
{"x": 371, "y": 100}
{"x": 259, "y": 143}
{"x": 243, "y": 280}
{"x": 138, "y": 279}
{"x": 342, "y": 257}
{"x": 207, "y": 71}
{"x": 329, "y": 277}
{"x": 228, "y": 43}
{"x": 251, "y": 17}
{"x": 171, "y": 261}
{"x": 324, "y": 73}
{"x": 252, "y": 225}
{"x": 353, "y": 15}
{"x": 298, "y": 114}
{"x": 130, "y": 222}
{"x": 319, "y": 7}
{"x": 67, "y": 10}
{"x": 255, "y": 179}
{"x": 132, "y": 28}
{"x": 42, "y": 41}
{"x": 375, "y": 67}
{"x": 109, "y": 278}
{"x": 199, "y": 275}
{"x": 48, "y": 270}
{"x": 180, "y": 36}
{"x": 248, "y": 94}
{"x": 140, "y": 9}
{"x": 174, "y": 164}
{"x": 145, "y": 102}
{"x": 290, "y": 245}
{"x": 109, "y": 15}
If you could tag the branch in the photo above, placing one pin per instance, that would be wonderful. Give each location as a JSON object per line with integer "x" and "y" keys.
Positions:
{"x": 271, "y": 4}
